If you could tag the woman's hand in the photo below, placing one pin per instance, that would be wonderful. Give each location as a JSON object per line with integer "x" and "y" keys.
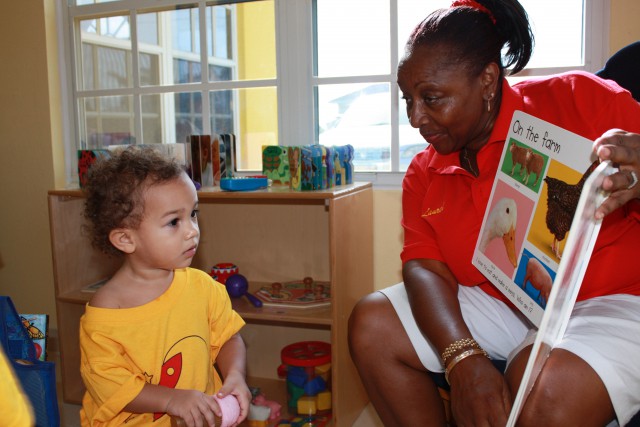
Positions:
{"x": 479, "y": 394}
{"x": 623, "y": 150}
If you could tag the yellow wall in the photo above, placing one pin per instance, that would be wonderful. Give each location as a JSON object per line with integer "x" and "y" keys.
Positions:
{"x": 31, "y": 152}
{"x": 258, "y": 107}
{"x": 31, "y": 159}
{"x": 624, "y": 24}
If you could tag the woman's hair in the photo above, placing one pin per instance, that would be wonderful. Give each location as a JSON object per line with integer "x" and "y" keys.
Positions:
{"x": 115, "y": 191}
{"x": 473, "y": 37}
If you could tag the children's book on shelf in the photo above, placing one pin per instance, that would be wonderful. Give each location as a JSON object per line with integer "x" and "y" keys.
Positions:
{"x": 37, "y": 328}
{"x": 539, "y": 230}
{"x": 306, "y": 293}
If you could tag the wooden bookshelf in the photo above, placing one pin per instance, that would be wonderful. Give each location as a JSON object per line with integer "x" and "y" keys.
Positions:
{"x": 272, "y": 235}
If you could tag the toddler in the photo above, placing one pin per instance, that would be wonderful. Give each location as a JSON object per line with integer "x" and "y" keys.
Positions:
{"x": 150, "y": 337}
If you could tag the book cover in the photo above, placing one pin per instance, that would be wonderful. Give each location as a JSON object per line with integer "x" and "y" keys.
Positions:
{"x": 37, "y": 328}
{"x": 215, "y": 159}
{"x": 228, "y": 153}
{"x": 202, "y": 160}
{"x": 275, "y": 164}
{"x": 533, "y": 201}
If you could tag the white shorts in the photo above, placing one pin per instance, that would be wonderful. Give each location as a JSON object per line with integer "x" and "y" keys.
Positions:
{"x": 603, "y": 331}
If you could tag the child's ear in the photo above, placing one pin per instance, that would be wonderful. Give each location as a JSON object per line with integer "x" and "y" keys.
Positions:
{"x": 122, "y": 239}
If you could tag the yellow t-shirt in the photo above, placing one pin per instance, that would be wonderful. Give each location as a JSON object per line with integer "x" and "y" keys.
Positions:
{"x": 173, "y": 341}
{"x": 14, "y": 404}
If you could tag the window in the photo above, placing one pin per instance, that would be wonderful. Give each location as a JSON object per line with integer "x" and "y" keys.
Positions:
{"x": 292, "y": 72}
{"x": 147, "y": 73}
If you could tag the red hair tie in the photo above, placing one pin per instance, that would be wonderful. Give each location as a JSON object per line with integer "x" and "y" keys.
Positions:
{"x": 474, "y": 5}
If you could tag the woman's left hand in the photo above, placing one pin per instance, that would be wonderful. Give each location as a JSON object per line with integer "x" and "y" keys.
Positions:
{"x": 623, "y": 150}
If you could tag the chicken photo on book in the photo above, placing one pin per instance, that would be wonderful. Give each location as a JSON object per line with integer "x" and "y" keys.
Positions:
{"x": 562, "y": 200}
{"x": 559, "y": 198}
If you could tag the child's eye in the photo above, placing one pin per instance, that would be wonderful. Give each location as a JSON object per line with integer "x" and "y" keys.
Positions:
{"x": 194, "y": 213}
{"x": 173, "y": 222}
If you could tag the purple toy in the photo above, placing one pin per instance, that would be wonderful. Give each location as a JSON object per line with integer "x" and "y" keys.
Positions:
{"x": 237, "y": 286}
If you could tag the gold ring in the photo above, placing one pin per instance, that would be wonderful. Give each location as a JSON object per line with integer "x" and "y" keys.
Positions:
{"x": 634, "y": 180}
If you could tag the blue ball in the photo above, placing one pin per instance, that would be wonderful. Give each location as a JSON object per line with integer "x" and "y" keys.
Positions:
{"x": 237, "y": 285}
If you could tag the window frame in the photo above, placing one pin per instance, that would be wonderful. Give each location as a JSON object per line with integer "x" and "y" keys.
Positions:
{"x": 295, "y": 81}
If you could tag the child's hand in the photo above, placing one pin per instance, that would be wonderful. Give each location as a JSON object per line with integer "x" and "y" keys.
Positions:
{"x": 196, "y": 409}
{"x": 235, "y": 385}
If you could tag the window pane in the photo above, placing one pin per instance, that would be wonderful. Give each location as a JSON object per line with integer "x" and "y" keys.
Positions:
{"x": 151, "y": 119}
{"x": 108, "y": 120}
{"x": 149, "y": 69}
{"x": 148, "y": 28}
{"x": 348, "y": 46}
{"x": 255, "y": 35}
{"x": 183, "y": 29}
{"x": 558, "y": 35}
{"x": 188, "y": 109}
{"x": 185, "y": 71}
{"x": 106, "y": 65}
{"x": 219, "y": 31}
{"x": 358, "y": 114}
{"x": 411, "y": 13}
{"x": 257, "y": 121}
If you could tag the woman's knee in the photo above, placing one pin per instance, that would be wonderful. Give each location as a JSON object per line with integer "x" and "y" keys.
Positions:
{"x": 368, "y": 321}
{"x": 565, "y": 387}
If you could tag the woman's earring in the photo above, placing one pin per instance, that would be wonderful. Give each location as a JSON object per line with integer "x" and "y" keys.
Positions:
{"x": 489, "y": 103}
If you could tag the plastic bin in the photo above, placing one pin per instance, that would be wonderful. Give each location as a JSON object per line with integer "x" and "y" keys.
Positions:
{"x": 38, "y": 378}
{"x": 306, "y": 366}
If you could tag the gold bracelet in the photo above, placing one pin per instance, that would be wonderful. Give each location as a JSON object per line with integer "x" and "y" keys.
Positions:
{"x": 456, "y": 346}
{"x": 460, "y": 357}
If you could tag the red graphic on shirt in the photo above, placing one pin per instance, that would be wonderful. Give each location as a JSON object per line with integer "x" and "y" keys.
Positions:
{"x": 169, "y": 376}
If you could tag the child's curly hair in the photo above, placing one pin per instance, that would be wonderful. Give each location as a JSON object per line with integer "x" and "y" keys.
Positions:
{"x": 115, "y": 189}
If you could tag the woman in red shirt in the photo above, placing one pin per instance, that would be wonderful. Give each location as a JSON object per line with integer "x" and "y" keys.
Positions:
{"x": 446, "y": 316}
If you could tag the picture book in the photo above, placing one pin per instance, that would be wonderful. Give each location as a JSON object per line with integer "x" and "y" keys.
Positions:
{"x": 535, "y": 195}
{"x": 37, "y": 326}
{"x": 275, "y": 164}
{"x": 202, "y": 160}
{"x": 539, "y": 230}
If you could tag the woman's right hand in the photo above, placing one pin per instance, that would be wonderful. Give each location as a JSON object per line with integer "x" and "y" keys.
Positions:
{"x": 480, "y": 395}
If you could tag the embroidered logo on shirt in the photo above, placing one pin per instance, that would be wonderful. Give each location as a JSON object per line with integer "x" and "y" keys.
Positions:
{"x": 433, "y": 211}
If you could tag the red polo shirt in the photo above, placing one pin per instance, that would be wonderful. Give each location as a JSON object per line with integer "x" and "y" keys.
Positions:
{"x": 443, "y": 205}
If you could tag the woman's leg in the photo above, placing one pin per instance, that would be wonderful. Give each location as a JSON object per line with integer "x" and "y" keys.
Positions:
{"x": 398, "y": 385}
{"x": 591, "y": 372}
{"x": 568, "y": 392}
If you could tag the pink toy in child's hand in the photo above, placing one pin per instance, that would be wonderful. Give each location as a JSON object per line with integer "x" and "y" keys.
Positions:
{"x": 230, "y": 409}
